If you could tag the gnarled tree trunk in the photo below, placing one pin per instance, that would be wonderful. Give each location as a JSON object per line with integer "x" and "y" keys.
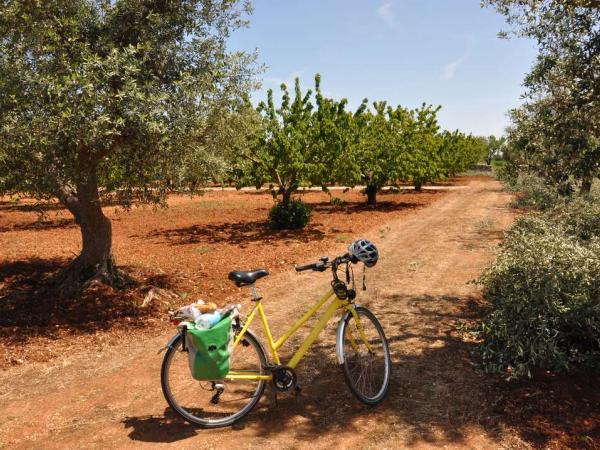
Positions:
{"x": 95, "y": 260}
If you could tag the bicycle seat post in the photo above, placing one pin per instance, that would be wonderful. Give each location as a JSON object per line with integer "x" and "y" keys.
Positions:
{"x": 255, "y": 295}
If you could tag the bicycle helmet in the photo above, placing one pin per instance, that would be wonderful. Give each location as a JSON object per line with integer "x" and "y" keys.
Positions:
{"x": 364, "y": 251}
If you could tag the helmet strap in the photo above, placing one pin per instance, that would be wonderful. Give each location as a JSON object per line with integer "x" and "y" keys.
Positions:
{"x": 364, "y": 277}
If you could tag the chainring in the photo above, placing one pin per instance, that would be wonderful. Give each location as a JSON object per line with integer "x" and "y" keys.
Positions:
{"x": 284, "y": 378}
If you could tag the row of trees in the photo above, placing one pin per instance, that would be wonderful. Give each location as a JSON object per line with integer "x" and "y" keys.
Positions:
{"x": 322, "y": 143}
{"x": 131, "y": 99}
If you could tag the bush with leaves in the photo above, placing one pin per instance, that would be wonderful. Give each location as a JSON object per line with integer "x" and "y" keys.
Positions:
{"x": 545, "y": 295}
{"x": 579, "y": 218}
{"x": 533, "y": 192}
{"x": 290, "y": 217}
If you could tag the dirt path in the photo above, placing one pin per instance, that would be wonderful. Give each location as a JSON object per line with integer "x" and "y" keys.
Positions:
{"x": 112, "y": 399}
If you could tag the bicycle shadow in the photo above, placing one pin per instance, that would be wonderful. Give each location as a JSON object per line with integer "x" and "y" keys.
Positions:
{"x": 168, "y": 428}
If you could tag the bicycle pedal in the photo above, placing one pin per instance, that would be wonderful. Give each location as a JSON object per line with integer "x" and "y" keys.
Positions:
{"x": 297, "y": 390}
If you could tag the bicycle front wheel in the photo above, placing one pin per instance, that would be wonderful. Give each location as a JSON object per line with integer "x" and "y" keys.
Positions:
{"x": 212, "y": 404}
{"x": 366, "y": 356}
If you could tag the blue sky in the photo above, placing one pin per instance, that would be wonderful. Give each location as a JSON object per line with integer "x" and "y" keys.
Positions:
{"x": 407, "y": 52}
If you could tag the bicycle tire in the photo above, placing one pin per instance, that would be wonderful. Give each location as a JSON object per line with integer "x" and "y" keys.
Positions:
{"x": 249, "y": 339}
{"x": 351, "y": 356}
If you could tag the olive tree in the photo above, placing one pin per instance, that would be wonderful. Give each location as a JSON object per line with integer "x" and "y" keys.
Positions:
{"x": 110, "y": 97}
{"x": 495, "y": 147}
{"x": 560, "y": 120}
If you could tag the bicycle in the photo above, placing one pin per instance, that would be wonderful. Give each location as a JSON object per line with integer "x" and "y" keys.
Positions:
{"x": 361, "y": 346}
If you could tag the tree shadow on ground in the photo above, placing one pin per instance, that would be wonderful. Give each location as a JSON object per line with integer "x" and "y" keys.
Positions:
{"x": 40, "y": 225}
{"x": 29, "y": 307}
{"x": 39, "y": 208}
{"x": 356, "y": 208}
{"x": 238, "y": 233}
{"x": 436, "y": 396}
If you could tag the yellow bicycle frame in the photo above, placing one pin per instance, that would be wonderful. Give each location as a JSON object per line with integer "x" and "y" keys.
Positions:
{"x": 336, "y": 304}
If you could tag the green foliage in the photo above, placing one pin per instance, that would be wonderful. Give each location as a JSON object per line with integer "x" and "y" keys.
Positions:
{"x": 300, "y": 144}
{"x": 556, "y": 132}
{"x": 544, "y": 287}
{"x": 113, "y": 98}
{"x": 495, "y": 148}
{"x": 458, "y": 152}
{"x": 579, "y": 218}
{"x": 533, "y": 192}
{"x": 290, "y": 217}
{"x": 545, "y": 295}
{"x": 119, "y": 91}
{"x": 374, "y": 155}
{"x": 296, "y": 143}
{"x": 422, "y": 160}
{"x": 336, "y": 201}
{"x": 216, "y": 158}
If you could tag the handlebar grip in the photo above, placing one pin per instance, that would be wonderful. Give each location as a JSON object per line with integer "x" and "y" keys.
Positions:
{"x": 312, "y": 266}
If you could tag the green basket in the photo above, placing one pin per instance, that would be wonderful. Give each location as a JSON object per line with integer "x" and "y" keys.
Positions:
{"x": 209, "y": 350}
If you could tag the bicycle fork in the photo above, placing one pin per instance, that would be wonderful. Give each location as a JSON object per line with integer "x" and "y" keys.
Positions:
{"x": 350, "y": 311}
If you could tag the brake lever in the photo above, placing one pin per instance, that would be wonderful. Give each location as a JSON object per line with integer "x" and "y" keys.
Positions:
{"x": 321, "y": 266}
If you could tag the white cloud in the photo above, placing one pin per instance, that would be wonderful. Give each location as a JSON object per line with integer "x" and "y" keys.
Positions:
{"x": 289, "y": 80}
{"x": 449, "y": 70}
{"x": 385, "y": 12}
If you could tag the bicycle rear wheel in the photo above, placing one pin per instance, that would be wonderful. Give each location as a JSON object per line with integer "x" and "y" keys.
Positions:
{"x": 366, "y": 356}
{"x": 195, "y": 400}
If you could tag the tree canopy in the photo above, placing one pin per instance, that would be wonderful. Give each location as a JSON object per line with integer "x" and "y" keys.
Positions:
{"x": 298, "y": 142}
{"x": 313, "y": 140}
{"x": 556, "y": 132}
{"x": 104, "y": 98}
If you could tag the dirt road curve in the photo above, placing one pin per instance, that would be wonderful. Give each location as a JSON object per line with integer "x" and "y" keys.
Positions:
{"x": 112, "y": 399}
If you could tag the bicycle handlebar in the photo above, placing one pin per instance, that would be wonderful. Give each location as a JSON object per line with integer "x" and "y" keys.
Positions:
{"x": 325, "y": 263}
{"x": 312, "y": 266}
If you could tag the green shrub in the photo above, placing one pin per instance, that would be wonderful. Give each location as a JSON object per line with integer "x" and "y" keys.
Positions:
{"x": 296, "y": 215}
{"x": 545, "y": 294}
{"x": 336, "y": 201}
{"x": 533, "y": 192}
{"x": 579, "y": 218}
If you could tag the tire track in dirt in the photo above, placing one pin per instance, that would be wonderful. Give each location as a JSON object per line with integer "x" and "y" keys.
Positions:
{"x": 418, "y": 290}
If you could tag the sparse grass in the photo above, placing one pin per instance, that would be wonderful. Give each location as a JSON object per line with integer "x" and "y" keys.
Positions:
{"x": 343, "y": 237}
{"x": 478, "y": 173}
{"x": 383, "y": 231}
{"x": 212, "y": 204}
{"x": 484, "y": 226}
{"x": 413, "y": 266}
{"x": 205, "y": 204}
